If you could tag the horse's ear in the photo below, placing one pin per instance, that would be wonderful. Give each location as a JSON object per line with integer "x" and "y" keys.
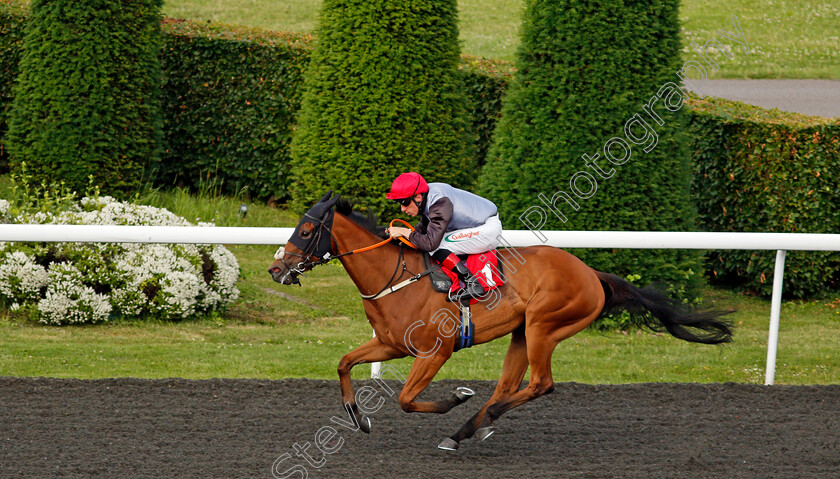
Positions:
{"x": 326, "y": 196}
{"x": 332, "y": 201}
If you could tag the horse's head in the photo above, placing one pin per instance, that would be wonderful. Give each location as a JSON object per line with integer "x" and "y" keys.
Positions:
{"x": 309, "y": 245}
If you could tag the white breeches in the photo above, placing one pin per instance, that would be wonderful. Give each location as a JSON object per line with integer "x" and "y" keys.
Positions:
{"x": 475, "y": 240}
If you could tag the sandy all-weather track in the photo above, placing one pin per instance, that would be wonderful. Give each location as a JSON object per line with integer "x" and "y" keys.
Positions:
{"x": 239, "y": 428}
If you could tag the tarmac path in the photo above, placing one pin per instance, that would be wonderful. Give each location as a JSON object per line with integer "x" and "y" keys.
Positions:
{"x": 811, "y": 97}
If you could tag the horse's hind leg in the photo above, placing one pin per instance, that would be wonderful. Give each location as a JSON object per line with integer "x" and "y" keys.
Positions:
{"x": 542, "y": 340}
{"x": 513, "y": 371}
{"x": 540, "y": 384}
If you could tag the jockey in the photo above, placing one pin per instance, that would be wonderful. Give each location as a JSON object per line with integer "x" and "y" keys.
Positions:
{"x": 464, "y": 222}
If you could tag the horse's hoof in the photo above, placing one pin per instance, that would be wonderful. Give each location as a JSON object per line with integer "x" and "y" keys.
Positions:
{"x": 449, "y": 444}
{"x": 484, "y": 432}
{"x": 364, "y": 424}
{"x": 463, "y": 393}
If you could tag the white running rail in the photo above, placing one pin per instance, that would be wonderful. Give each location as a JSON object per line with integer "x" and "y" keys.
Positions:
{"x": 780, "y": 242}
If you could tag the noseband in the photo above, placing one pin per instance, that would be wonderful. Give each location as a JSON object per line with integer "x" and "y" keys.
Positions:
{"x": 310, "y": 248}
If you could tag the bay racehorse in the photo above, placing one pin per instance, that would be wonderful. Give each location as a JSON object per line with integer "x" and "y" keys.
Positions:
{"x": 549, "y": 296}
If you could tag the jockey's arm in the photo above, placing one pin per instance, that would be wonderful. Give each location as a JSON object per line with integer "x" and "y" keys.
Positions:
{"x": 427, "y": 236}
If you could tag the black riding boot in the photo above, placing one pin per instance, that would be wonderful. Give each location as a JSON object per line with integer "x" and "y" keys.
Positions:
{"x": 472, "y": 287}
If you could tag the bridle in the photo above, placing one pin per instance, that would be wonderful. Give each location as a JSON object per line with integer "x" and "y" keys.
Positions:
{"x": 310, "y": 250}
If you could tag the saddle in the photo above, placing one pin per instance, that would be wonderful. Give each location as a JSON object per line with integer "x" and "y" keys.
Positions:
{"x": 488, "y": 271}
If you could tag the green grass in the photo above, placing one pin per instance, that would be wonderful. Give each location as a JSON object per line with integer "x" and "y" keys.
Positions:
{"x": 206, "y": 205}
{"x": 790, "y": 39}
{"x": 276, "y": 331}
{"x": 266, "y": 335}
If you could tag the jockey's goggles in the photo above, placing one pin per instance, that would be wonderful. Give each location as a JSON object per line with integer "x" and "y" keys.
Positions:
{"x": 405, "y": 201}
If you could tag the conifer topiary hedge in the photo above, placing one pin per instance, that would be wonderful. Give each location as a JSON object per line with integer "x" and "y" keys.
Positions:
{"x": 12, "y": 24}
{"x": 761, "y": 170}
{"x": 229, "y": 98}
{"x": 485, "y": 82}
{"x": 222, "y": 82}
{"x": 230, "y": 95}
{"x": 382, "y": 96}
{"x": 575, "y": 141}
{"x": 86, "y": 99}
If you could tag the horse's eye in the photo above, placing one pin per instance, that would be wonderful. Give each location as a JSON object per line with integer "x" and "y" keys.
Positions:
{"x": 304, "y": 234}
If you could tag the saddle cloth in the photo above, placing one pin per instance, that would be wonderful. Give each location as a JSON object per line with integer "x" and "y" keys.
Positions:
{"x": 488, "y": 272}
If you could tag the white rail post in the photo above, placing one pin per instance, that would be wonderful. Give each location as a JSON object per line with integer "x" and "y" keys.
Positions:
{"x": 375, "y": 367}
{"x": 775, "y": 312}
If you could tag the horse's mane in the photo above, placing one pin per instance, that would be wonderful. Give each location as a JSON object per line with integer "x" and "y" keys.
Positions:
{"x": 368, "y": 221}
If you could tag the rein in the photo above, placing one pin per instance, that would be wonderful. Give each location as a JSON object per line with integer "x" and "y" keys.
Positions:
{"x": 383, "y": 242}
{"x": 387, "y": 289}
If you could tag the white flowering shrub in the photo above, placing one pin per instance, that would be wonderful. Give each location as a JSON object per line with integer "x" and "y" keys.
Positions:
{"x": 67, "y": 283}
{"x": 21, "y": 277}
{"x": 69, "y": 300}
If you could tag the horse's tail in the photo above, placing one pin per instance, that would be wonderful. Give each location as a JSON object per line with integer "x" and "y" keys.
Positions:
{"x": 651, "y": 308}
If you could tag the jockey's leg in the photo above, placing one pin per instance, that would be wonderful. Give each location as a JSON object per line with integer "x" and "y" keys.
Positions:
{"x": 472, "y": 288}
{"x": 478, "y": 239}
{"x": 475, "y": 240}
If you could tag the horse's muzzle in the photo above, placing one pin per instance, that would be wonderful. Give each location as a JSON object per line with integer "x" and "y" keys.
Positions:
{"x": 282, "y": 275}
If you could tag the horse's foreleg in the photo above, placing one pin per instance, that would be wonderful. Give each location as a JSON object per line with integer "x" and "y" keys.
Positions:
{"x": 372, "y": 351}
{"x": 422, "y": 372}
{"x": 513, "y": 371}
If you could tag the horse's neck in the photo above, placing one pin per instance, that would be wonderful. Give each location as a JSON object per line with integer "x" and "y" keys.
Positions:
{"x": 369, "y": 270}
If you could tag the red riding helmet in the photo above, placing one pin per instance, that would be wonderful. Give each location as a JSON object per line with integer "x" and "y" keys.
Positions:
{"x": 407, "y": 185}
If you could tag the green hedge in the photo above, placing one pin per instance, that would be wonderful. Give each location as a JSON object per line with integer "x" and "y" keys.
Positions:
{"x": 86, "y": 99}
{"x": 230, "y": 95}
{"x": 767, "y": 171}
{"x": 12, "y": 25}
{"x": 207, "y": 92}
{"x": 256, "y": 77}
{"x": 485, "y": 83}
{"x": 382, "y": 97}
{"x": 584, "y": 71}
